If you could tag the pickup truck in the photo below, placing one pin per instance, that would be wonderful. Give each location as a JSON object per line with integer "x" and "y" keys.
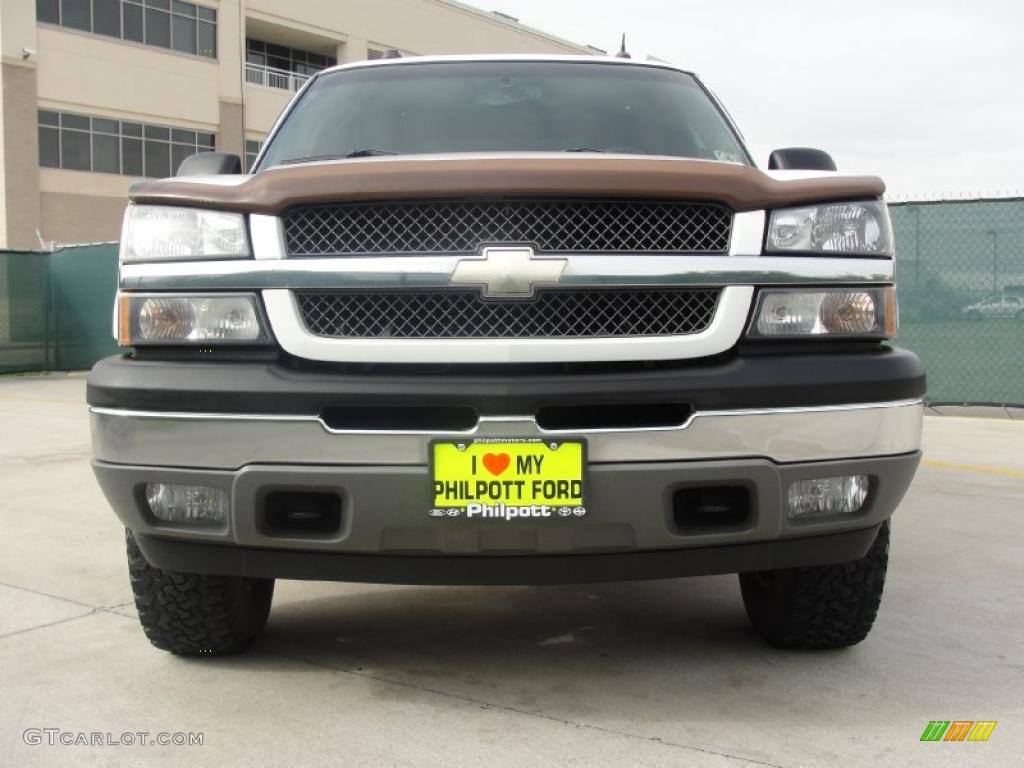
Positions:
{"x": 506, "y": 320}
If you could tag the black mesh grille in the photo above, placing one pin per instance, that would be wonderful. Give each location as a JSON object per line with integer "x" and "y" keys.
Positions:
{"x": 461, "y": 227}
{"x": 464, "y": 314}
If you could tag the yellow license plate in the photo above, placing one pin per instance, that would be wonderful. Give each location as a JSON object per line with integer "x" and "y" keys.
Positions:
{"x": 508, "y": 479}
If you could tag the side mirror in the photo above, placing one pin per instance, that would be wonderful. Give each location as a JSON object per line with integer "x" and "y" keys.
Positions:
{"x": 801, "y": 159}
{"x": 209, "y": 164}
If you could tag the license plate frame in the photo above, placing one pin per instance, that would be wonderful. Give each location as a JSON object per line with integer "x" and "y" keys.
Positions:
{"x": 525, "y": 504}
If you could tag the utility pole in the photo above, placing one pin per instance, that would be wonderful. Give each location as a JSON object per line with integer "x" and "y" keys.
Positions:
{"x": 995, "y": 260}
{"x": 917, "y": 245}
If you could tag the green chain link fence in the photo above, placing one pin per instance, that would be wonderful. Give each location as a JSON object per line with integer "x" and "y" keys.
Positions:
{"x": 959, "y": 270}
{"x": 960, "y": 282}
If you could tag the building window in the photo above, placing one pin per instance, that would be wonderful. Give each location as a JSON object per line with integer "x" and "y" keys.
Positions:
{"x": 102, "y": 145}
{"x": 172, "y": 24}
{"x": 279, "y": 66}
{"x": 252, "y": 149}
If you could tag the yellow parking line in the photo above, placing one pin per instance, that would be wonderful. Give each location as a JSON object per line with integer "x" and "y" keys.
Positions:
{"x": 1005, "y": 471}
{"x": 5, "y": 398}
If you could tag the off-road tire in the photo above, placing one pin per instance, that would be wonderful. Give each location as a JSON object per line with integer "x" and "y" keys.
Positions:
{"x": 195, "y": 614}
{"x": 821, "y": 607}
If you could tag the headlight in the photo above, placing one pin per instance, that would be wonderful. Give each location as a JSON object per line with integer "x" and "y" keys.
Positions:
{"x": 168, "y": 233}
{"x": 170, "y": 319}
{"x": 857, "y": 229}
{"x": 833, "y": 312}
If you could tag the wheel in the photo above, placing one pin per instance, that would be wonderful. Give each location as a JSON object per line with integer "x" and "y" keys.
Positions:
{"x": 195, "y": 614}
{"x": 827, "y": 606}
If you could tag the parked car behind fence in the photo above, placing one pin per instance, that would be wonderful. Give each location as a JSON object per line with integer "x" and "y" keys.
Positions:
{"x": 1011, "y": 307}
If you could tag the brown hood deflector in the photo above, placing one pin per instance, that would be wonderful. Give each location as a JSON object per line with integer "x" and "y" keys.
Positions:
{"x": 274, "y": 190}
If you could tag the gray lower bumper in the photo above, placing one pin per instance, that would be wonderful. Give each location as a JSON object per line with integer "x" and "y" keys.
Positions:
{"x": 630, "y": 507}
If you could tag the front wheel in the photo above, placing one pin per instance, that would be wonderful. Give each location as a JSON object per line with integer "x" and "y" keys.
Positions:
{"x": 820, "y": 607}
{"x": 195, "y": 614}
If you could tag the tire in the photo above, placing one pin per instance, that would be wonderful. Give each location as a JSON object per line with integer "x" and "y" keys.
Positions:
{"x": 820, "y": 607}
{"x": 194, "y": 614}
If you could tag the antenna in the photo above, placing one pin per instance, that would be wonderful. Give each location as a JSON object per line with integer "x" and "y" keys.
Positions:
{"x": 623, "y": 53}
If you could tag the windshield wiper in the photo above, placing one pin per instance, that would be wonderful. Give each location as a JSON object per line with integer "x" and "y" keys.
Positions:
{"x": 582, "y": 149}
{"x": 354, "y": 153}
{"x": 369, "y": 153}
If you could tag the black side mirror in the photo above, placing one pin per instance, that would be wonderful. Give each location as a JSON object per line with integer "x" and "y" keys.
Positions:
{"x": 801, "y": 159}
{"x": 209, "y": 164}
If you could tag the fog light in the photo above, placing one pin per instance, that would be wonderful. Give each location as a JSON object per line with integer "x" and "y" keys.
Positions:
{"x": 827, "y": 496}
{"x": 187, "y": 504}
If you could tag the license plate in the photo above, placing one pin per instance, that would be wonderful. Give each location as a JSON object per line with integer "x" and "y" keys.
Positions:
{"x": 508, "y": 479}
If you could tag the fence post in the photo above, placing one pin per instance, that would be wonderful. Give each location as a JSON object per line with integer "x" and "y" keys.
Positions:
{"x": 54, "y": 309}
{"x": 47, "y": 315}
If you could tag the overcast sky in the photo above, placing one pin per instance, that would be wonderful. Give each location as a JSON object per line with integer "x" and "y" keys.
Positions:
{"x": 927, "y": 94}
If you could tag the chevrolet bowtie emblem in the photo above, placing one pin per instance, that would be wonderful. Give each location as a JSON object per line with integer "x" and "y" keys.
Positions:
{"x": 508, "y": 273}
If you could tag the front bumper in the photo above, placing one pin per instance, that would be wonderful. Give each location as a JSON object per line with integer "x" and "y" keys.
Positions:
{"x": 261, "y": 562}
{"x": 177, "y": 423}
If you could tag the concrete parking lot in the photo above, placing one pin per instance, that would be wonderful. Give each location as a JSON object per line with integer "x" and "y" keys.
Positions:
{"x": 641, "y": 674}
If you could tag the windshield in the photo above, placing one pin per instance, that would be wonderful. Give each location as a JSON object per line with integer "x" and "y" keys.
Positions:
{"x": 504, "y": 106}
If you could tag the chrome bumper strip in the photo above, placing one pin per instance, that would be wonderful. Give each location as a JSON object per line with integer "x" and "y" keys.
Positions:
{"x": 229, "y": 441}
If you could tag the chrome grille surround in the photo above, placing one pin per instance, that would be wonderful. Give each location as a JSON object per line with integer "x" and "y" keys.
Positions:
{"x": 465, "y": 226}
{"x": 464, "y": 314}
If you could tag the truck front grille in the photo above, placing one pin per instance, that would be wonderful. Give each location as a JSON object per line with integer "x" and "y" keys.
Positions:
{"x": 458, "y": 314}
{"x": 464, "y": 227}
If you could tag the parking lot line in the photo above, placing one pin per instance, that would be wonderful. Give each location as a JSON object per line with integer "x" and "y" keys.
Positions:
{"x": 1004, "y": 471}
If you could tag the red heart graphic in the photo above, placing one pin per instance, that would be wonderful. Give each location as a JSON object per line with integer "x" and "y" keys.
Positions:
{"x": 496, "y": 463}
